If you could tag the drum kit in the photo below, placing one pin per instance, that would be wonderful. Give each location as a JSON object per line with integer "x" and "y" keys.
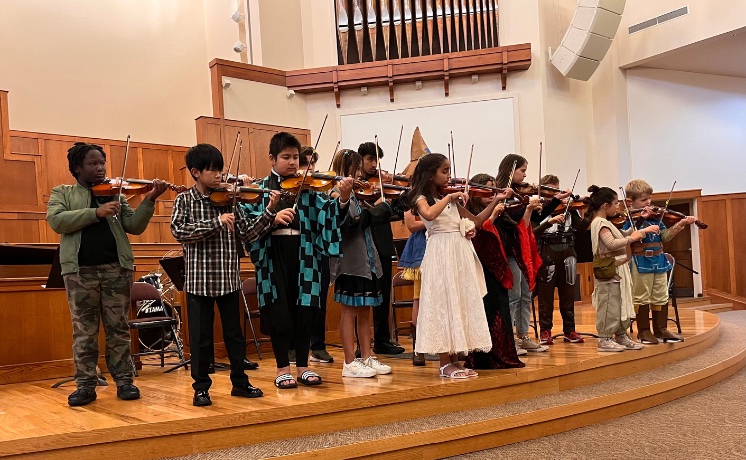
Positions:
{"x": 150, "y": 339}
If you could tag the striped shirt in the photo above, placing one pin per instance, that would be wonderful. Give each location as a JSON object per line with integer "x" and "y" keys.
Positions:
{"x": 210, "y": 250}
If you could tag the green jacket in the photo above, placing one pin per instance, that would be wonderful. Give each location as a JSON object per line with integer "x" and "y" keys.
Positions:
{"x": 69, "y": 211}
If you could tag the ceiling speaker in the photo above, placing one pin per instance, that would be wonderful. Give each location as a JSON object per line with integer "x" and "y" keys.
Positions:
{"x": 588, "y": 38}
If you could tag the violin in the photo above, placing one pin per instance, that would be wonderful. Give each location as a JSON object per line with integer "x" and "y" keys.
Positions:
{"x": 316, "y": 181}
{"x": 392, "y": 179}
{"x": 225, "y": 194}
{"x": 579, "y": 205}
{"x": 531, "y": 189}
{"x": 666, "y": 214}
{"x": 111, "y": 187}
{"x": 371, "y": 190}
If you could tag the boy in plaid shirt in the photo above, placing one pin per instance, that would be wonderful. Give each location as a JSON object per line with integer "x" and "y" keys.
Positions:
{"x": 208, "y": 234}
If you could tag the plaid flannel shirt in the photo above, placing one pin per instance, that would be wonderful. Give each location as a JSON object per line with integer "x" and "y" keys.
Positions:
{"x": 210, "y": 250}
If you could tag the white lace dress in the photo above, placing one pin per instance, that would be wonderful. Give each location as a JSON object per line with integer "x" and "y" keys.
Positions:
{"x": 451, "y": 317}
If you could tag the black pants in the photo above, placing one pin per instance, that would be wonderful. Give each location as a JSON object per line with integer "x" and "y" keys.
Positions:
{"x": 553, "y": 275}
{"x": 287, "y": 323}
{"x": 318, "y": 326}
{"x": 381, "y": 332}
{"x": 201, "y": 317}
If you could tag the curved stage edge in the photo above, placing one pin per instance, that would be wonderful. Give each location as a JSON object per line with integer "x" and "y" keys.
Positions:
{"x": 164, "y": 423}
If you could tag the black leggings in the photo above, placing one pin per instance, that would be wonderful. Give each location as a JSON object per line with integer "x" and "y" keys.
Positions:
{"x": 299, "y": 337}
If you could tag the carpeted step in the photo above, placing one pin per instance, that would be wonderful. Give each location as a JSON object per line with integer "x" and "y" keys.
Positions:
{"x": 465, "y": 430}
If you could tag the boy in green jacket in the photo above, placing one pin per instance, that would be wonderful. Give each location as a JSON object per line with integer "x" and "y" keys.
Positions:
{"x": 97, "y": 264}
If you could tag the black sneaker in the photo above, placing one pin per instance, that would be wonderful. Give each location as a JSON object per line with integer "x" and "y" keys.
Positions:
{"x": 387, "y": 348}
{"x": 128, "y": 392}
{"x": 250, "y": 365}
{"x": 81, "y": 397}
{"x": 248, "y": 391}
{"x": 201, "y": 398}
{"x": 210, "y": 369}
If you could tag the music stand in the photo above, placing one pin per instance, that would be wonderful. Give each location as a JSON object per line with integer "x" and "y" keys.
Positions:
{"x": 175, "y": 269}
{"x": 55, "y": 281}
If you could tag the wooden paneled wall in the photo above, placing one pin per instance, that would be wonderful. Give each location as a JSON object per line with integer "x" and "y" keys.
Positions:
{"x": 33, "y": 163}
{"x": 723, "y": 244}
{"x": 255, "y": 136}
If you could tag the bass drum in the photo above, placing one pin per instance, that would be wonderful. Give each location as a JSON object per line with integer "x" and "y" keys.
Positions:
{"x": 150, "y": 339}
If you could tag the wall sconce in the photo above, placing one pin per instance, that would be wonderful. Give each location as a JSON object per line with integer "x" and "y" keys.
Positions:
{"x": 290, "y": 94}
{"x": 237, "y": 16}
{"x": 418, "y": 85}
{"x": 364, "y": 90}
{"x": 226, "y": 83}
{"x": 474, "y": 79}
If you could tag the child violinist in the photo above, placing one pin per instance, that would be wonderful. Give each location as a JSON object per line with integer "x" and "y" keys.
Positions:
{"x": 410, "y": 261}
{"x": 499, "y": 279}
{"x": 208, "y": 234}
{"x": 357, "y": 275}
{"x": 650, "y": 267}
{"x": 287, "y": 260}
{"x": 556, "y": 236}
{"x": 97, "y": 265}
{"x": 519, "y": 243}
{"x": 451, "y": 319}
{"x": 612, "y": 292}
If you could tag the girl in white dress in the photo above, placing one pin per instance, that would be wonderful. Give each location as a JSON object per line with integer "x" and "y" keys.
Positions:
{"x": 451, "y": 317}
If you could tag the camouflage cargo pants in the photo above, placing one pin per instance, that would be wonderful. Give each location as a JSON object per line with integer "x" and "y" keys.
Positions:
{"x": 100, "y": 294}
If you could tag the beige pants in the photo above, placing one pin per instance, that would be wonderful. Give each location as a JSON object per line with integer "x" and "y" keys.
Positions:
{"x": 607, "y": 298}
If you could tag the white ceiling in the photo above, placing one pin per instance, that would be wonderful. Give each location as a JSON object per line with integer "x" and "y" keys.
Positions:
{"x": 722, "y": 55}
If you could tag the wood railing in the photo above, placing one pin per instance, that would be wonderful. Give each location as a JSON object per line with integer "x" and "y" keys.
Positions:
{"x": 379, "y": 30}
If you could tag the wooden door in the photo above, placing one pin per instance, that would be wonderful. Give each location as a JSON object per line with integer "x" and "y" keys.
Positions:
{"x": 229, "y": 141}
{"x": 259, "y": 140}
{"x": 681, "y": 249}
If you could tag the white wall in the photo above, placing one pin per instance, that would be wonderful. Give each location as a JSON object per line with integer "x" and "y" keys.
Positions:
{"x": 106, "y": 69}
{"x": 493, "y": 134}
{"x": 221, "y": 32}
{"x": 706, "y": 19}
{"x": 687, "y": 127}
{"x": 264, "y": 103}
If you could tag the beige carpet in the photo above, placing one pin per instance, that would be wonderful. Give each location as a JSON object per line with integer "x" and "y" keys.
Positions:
{"x": 708, "y": 424}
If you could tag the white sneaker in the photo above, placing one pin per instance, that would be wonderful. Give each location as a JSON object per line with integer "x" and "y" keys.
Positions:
{"x": 610, "y": 345}
{"x": 527, "y": 344}
{"x": 380, "y": 368}
{"x": 520, "y": 351}
{"x": 627, "y": 343}
{"x": 357, "y": 368}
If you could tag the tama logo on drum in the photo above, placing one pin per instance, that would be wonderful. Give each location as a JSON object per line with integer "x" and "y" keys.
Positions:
{"x": 149, "y": 307}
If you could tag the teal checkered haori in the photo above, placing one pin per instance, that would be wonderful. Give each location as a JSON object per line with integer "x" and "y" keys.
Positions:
{"x": 319, "y": 236}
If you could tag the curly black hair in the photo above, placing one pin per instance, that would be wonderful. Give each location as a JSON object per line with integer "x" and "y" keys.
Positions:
{"x": 76, "y": 155}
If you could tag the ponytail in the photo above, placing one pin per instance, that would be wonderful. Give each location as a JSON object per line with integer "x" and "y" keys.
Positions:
{"x": 599, "y": 197}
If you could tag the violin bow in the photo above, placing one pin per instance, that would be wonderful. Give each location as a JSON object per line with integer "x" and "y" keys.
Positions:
{"x": 468, "y": 170}
{"x": 334, "y": 155}
{"x": 538, "y": 187}
{"x": 121, "y": 178}
{"x": 453, "y": 152}
{"x": 378, "y": 164}
{"x": 305, "y": 174}
{"x": 665, "y": 207}
{"x": 629, "y": 215}
{"x": 396, "y": 160}
{"x": 235, "y": 184}
{"x": 233, "y": 154}
{"x": 510, "y": 178}
{"x": 570, "y": 199}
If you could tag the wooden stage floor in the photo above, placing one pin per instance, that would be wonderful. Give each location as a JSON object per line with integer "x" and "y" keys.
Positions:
{"x": 35, "y": 420}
